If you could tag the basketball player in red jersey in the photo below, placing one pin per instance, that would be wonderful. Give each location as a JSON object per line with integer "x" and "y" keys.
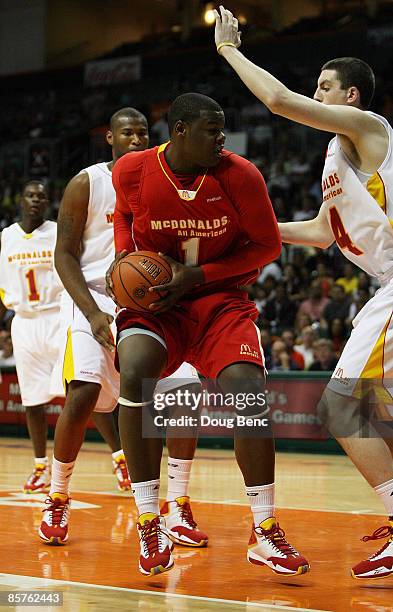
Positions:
{"x": 209, "y": 211}
{"x": 85, "y": 225}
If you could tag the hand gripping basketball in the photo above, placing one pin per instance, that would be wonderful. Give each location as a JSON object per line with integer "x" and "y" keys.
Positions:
{"x": 132, "y": 276}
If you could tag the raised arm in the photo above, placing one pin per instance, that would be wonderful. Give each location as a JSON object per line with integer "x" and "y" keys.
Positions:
{"x": 348, "y": 121}
{"x": 316, "y": 232}
{"x": 70, "y": 227}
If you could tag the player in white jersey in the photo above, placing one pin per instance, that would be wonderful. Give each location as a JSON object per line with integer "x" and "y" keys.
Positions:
{"x": 84, "y": 251}
{"x": 30, "y": 286}
{"x": 356, "y": 212}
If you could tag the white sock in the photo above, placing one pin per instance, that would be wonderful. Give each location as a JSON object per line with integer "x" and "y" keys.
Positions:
{"x": 118, "y": 454}
{"x": 385, "y": 493}
{"x": 261, "y": 499}
{"x": 178, "y": 477}
{"x": 41, "y": 461}
{"x": 61, "y": 475}
{"x": 146, "y": 496}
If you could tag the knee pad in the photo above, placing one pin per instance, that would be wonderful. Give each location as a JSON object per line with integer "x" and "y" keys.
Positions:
{"x": 129, "y": 404}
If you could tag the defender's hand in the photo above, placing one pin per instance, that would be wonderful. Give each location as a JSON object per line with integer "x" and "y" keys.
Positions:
{"x": 227, "y": 30}
{"x": 100, "y": 327}
{"x": 108, "y": 275}
{"x": 184, "y": 278}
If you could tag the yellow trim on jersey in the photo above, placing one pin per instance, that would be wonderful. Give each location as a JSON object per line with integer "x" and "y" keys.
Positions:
{"x": 68, "y": 362}
{"x": 27, "y": 236}
{"x": 376, "y": 189}
{"x": 186, "y": 197}
{"x": 2, "y": 294}
{"x": 374, "y": 368}
{"x": 374, "y": 365}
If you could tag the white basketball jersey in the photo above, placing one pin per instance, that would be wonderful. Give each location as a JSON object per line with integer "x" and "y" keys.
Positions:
{"x": 359, "y": 208}
{"x": 98, "y": 250}
{"x": 28, "y": 279}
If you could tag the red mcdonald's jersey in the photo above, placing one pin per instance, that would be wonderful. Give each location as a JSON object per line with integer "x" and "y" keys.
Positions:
{"x": 223, "y": 221}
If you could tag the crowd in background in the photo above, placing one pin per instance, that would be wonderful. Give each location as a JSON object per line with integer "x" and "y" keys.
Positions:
{"x": 307, "y": 299}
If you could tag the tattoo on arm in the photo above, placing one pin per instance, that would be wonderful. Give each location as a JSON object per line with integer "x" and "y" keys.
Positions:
{"x": 65, "y": 226}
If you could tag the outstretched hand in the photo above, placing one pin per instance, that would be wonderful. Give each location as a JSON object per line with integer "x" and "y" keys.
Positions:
{"x": 227, "y": 29}
{"x": 184, "y": 278}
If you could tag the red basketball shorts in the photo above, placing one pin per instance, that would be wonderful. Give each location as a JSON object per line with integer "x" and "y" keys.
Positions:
{"x": 210, "y": 332}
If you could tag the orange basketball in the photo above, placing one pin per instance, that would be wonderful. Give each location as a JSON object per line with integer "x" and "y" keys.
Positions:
{"x": 135, "y": 274}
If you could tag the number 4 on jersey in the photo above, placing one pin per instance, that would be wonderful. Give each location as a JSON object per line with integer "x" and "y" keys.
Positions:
{"x": 343, "y": 239}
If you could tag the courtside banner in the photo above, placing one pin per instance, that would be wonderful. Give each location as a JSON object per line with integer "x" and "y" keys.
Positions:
{"x": 292, "y": 409}
{"x": 109, "y": 72}
{"x": 11, "y": 410}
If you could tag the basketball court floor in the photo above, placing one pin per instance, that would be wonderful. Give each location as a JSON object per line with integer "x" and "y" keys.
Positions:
{"x": 323, "y": 505}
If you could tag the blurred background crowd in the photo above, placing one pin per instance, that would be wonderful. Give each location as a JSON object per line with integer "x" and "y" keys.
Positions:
{"x": 53, "y": 122}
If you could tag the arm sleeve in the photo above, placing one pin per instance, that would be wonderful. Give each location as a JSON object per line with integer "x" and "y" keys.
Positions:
{"x": 122, "y": 220}
{"x": 259, "y": 227}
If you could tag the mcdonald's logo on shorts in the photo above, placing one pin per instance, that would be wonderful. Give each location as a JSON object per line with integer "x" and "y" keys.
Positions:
{"x": 246, "y": 349}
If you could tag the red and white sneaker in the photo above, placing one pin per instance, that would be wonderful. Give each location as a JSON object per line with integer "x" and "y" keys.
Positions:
{"x": 156, "y": 547}
{"x": 54, "y": 526}
{"x": 39, "y": 480}
{"x": 180, "y": 523}
{"x": 121, "y": 471}
{"x": 268, "y": 546}
{"x": 380, "y": 564}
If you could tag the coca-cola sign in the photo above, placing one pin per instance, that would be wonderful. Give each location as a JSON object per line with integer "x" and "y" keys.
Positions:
{"x": 108, "y": 72}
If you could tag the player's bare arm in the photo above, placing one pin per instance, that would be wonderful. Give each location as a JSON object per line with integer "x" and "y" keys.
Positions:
{"x": 108, "y": 274}
{"x": 315, "y": 232}
{"x": 71, "y": 223}
{"x": 363, "y": 138}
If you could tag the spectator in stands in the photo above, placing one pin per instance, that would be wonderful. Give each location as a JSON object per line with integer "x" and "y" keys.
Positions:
{"x": 305, "y": 348}
{"x": 338, "y": 335}
{"x": 302, "y": 320}
{"x": 308, "y": 209}
{"x": 3, "y": 334}
{"x": 293, "y": 283}
{"x": 280, "y": 312}
{"x": 348, "y": 281}
{"x": 269, "y": 286}
{"x": 364, "y": 283}
{"x": 266, "y": 341}
{"x": 300, "y": 167}
{"x": 159, "y": 130}
{"x": 315, "y": 304}
{"x": 7, "y": 353}
{"x": 325, "y": 359}
{"x": 361, "y": 298}
{"x": 279, "y": 183}
{"x": 288, "y": 337}
{"x": 280, "y": 359}
{"x": 322, "y": 273}
{"x": 337, "y": 308}
{"x": 259, "y": 295}
{"x": 272, "y": 269}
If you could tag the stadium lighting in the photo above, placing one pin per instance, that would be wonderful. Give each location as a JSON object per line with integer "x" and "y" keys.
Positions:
{"x": 208, "y": 15}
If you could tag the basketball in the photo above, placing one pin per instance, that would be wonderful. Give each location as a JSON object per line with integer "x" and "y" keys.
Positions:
{"x": 135, "y": 274}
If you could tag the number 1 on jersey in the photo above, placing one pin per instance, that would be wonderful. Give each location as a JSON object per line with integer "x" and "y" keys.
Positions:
{"x": 33, "y": 296}
{"x": 343, "y": 239}
{"x": 191, "y": 251}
